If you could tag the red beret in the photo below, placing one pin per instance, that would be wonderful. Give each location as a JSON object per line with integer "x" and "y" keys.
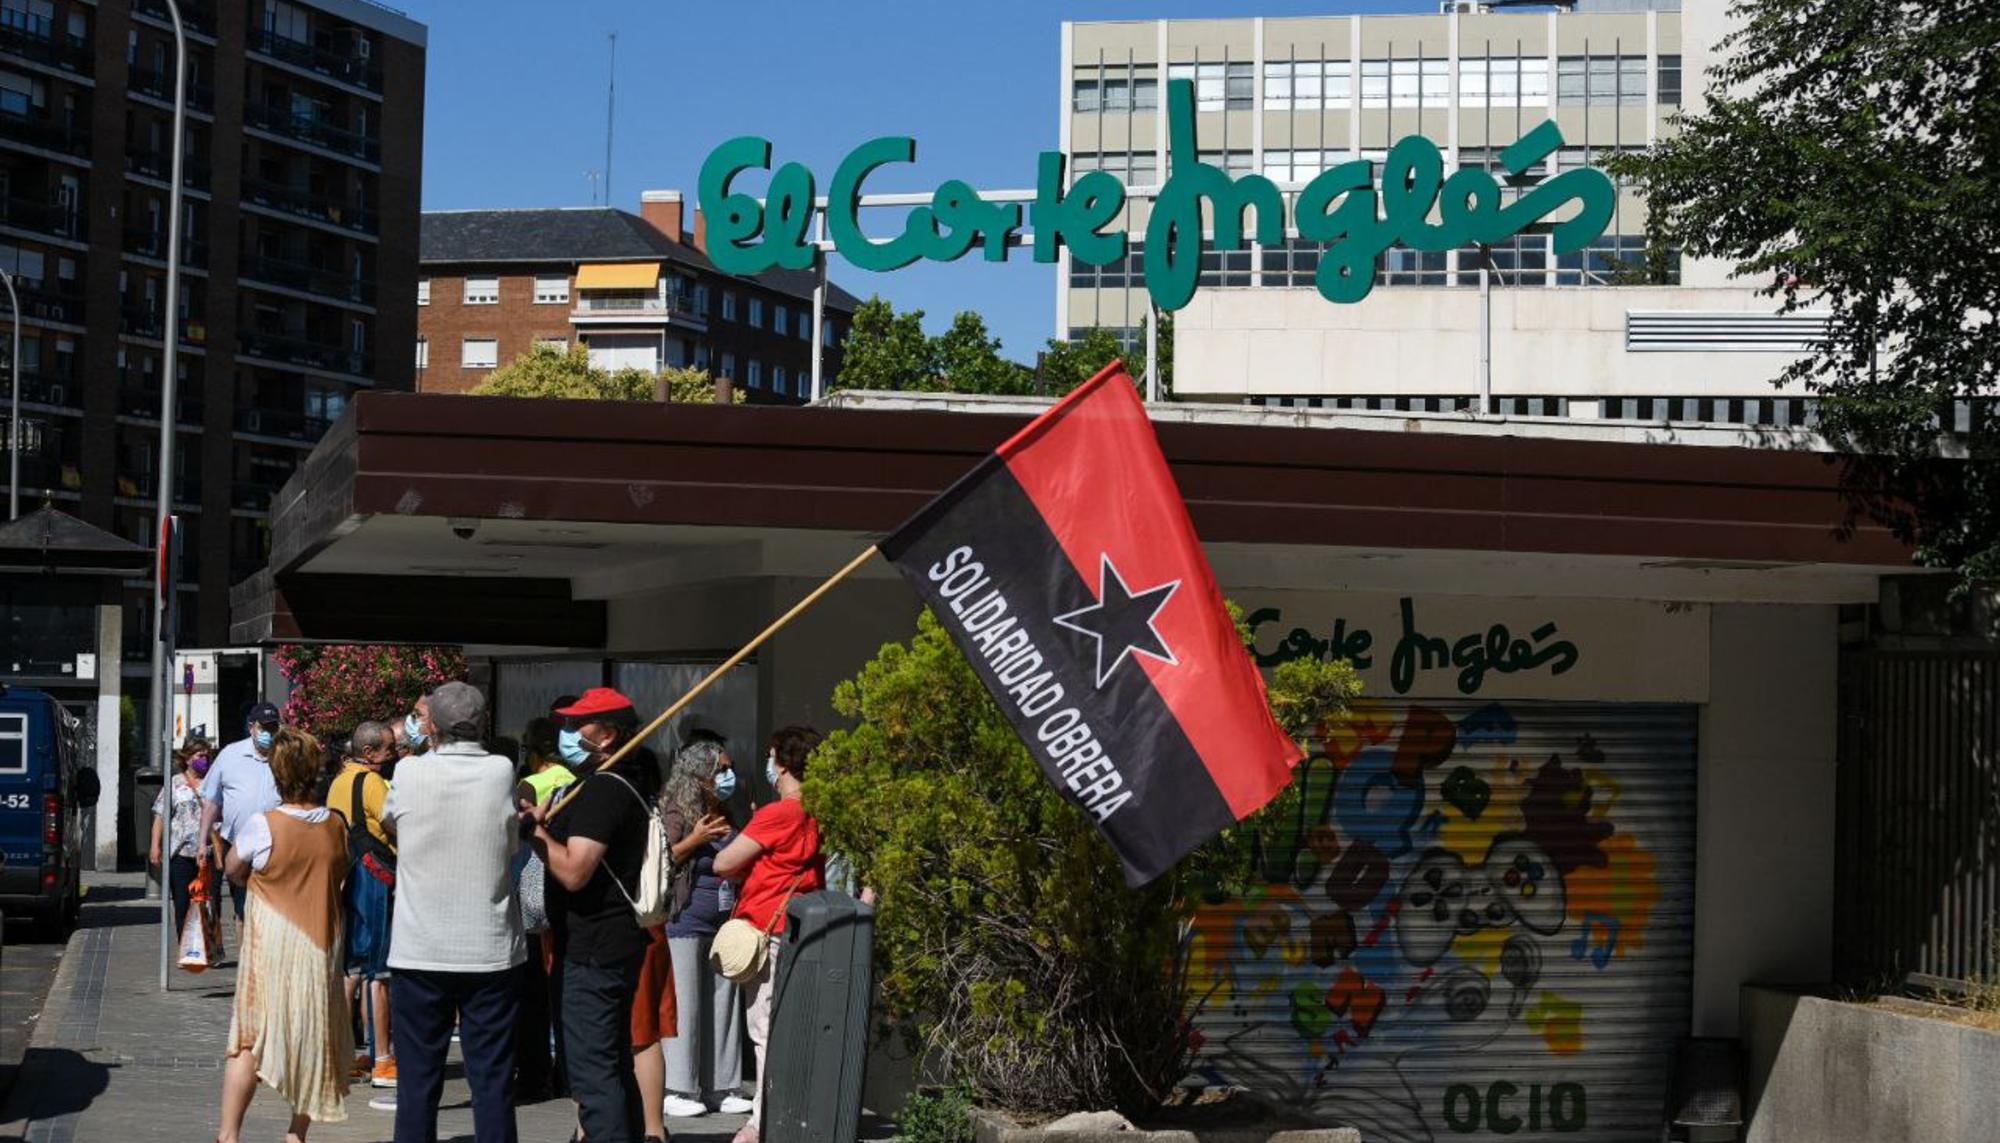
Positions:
{"x": 596, "y": 700}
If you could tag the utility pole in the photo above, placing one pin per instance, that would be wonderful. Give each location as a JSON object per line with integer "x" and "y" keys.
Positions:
{"x": 14, "y": 411}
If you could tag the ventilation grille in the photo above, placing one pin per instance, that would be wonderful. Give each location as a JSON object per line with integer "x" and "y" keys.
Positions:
{"x": 1695, "y": 331}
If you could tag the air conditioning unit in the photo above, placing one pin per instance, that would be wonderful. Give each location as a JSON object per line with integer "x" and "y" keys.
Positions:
{"x": 361, "y": 47}
{"x": 58, "y": 394}
{"x": 253, "y": 421}
{"x": 1462, "y": 7}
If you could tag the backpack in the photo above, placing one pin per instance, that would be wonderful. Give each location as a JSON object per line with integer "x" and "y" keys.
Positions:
{"x": 364, "y": 849}
{"x": 652, "y": 898}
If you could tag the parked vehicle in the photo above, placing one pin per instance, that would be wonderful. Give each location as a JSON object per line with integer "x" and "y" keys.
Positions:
{"x": 45, "y": 785}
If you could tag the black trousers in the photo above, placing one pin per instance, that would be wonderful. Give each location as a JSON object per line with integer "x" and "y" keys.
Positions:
{"x": 597, "y": 1049}
{"x": 535, "y": 1068}
{"x": 424, "y": 1006}
{"x": 180, "y": 876}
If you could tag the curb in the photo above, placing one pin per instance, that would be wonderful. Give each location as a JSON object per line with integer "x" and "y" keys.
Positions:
{"x": 32, "y": 1078}
{"x": 993, "y": 1127}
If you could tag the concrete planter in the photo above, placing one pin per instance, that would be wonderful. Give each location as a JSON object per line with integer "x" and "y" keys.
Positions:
{"x": 1829, "y": 1071}
{"x": 993, "y": 1127}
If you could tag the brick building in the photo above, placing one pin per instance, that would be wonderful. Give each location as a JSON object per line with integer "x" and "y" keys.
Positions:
{"x": 637, "y": 290}
{"x": 301, "y": 176}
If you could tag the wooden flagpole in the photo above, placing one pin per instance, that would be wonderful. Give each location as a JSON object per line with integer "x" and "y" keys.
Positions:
{"x": 708, "y": 680}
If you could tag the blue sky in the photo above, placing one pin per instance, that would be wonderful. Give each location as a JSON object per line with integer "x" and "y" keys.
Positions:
{"x": 515, "y": 111}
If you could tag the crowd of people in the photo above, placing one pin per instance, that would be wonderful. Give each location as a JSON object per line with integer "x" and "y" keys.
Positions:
{"x": 409, "y": 886}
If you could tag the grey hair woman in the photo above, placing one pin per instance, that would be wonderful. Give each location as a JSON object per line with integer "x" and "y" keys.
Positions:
{"x": 704, "y": 1061}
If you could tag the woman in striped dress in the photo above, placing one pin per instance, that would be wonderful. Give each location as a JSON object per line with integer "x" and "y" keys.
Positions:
{"x": 290, "y": 1027}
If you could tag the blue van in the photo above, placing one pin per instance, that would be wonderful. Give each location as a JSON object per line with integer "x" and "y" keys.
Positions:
{"x": 44, "y": 788}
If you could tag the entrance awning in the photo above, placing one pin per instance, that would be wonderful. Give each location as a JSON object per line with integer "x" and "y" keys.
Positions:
{"x": 617, "y": 275}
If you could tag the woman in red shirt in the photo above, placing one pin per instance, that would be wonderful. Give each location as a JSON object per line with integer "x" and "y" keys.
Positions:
{"x": 775, "y": 856}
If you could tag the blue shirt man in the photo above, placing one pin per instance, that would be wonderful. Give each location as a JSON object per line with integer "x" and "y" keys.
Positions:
{"x": 239, "y": 784}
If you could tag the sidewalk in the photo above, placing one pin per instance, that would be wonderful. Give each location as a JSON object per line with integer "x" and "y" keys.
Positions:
{"x": 112, "y": 1058}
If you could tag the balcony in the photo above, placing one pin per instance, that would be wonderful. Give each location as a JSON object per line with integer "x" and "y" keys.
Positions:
{"x": 49, "y": 305}
{"x": 159, "y": 83}
{"x": 149, "y": 243}
{"x": 44, "y": 134}
{"x": 277, "y": 423}
{"x": 53, "y": 219}
{"x": 139, "y": 396}
{"x": 342, "y": 67}
{"x": 607, "y": 306}
{"x": 159, "y": 166}
{"x": 307, "y": 354}
{"x": 306, "y": 204}
{"x": 254, "y": 495}
{"x": 138, "y": 321}
{"x": 312, "y": 131}
{"x": 42, "y": 388}
{"x": 308, "y": 279}
{"x": 197, "y": 15}
{"x": 34, "y": 38}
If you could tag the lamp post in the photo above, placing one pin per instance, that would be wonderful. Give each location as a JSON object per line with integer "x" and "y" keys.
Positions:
{"x": 162, "y": 713}
{"x": 14, "y": 404}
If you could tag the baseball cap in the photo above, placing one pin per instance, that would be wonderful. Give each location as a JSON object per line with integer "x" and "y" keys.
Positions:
{"x": 262, "y": 713}
{"x": 597, "y": 701}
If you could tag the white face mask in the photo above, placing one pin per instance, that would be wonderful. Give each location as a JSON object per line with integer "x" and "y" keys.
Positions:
{"x": 771, "y": 769}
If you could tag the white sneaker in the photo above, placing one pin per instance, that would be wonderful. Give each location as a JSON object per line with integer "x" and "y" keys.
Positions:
{"x": 383, "y": 1102}
{"x": 734, "y": 1105}
{"x": 681, "y": 1107}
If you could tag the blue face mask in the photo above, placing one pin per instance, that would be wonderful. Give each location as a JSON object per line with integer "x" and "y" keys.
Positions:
{"x": 262, "y": 738}
{"x": 570, "y": 744}
{"x": 725, "y": 785}
{"x": 414, "y": 730}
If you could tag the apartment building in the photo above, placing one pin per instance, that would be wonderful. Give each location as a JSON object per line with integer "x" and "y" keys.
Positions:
{"x": 636, "y": 289}
{"x": 301, "y": 171}
{"x": 1596, "y": 333}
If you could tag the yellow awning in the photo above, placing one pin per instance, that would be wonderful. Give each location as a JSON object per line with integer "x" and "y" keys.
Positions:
{"x": 617, "y": 275}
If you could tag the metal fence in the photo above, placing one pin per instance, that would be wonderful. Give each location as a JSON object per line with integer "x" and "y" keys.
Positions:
{"x": 1918, "y": 866}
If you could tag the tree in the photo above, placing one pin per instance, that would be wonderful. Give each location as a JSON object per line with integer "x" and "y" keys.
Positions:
{"x": 693, "y": 386}
{"x": 1007, "y": 946}
{"x": 549, "y": 371}
{"x": 1847, "y": 159}
{"x": 1067, "y": 364}
{"x": 968, "y": 360}
{"x": 887, "y": 350}
{"x": 337, "y": 686}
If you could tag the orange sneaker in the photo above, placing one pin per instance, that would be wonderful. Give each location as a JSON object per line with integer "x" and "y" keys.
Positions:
{"x": 384, "y": 1074}
{"x": 364, "y": 1066}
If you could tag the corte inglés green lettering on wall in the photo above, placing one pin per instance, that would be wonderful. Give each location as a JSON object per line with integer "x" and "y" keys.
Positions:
{"x": 1356, "y": 215}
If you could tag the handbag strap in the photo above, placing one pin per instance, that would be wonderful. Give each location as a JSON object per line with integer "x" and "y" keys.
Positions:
{"x": 778, "y": 914}
{"x": 646, "y": 808}
{"x": 357, "y": 822}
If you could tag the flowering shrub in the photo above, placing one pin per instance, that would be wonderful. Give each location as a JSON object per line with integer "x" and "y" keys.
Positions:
{"x": 338, "y": 685}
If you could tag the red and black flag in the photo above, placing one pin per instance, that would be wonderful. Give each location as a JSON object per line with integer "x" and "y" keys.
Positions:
{"x": 1066, "y": 568}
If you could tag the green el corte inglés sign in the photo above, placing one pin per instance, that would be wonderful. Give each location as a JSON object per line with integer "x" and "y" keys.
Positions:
{"x": 1345, "y": 208}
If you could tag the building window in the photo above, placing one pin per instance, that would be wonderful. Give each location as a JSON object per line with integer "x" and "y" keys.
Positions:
{"x": 701, "y": 301}
{"x": 1615, "y": 259}
{"x": 728, "y": 305}
{"x": 1218, "y": 86}
{"x": 288, "y": 21}
{"x": 729, "y": 366}
{"x": 423, "y": 291}
{"x": 1503, "y": 81}
{"x": 1299, "y": 166}
{"x": 1308, "y": 85}
{"x": 18, "y": 94}
{"x": 1406, "y": 83}
{"x": 1234, "y": 161}
{"x": 778, "y": 381}
{"x": 1115, "y": 87}
{"x": 780, "y": 320}
{"x": 480, "y": 353}
{"x": 1118, "y": 274}
{"x": 1292, "y": 264}
{"x": 754, "y": 374}
{"x": 1522, "y": 260}
{"x": 827, "y": 337}
{"x": 1592, "y": 80}
{"x": 1133, "y": 168}
{"x": 551, "y": 289}
{"x": 482, "y": 291}
{"x": 1670, "y": 80}
{"x": 756, "y": 313}
{"x": 423, "y": 353}
{"x": 1225, "y": 268}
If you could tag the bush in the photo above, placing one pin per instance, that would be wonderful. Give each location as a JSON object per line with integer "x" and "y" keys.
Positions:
{"x": 944, "y": 1117}
{"x": 336, "y": 686}
{"x": 1008, "y": 948}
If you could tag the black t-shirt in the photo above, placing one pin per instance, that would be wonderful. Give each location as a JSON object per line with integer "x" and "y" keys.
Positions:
{"x": 595, "y": 925}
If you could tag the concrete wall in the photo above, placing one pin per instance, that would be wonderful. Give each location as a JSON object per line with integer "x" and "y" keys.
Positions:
{"x": 1827, "y": 1071}
{"x": 1419, "y": 341}
{"x": 1765, "y": 806}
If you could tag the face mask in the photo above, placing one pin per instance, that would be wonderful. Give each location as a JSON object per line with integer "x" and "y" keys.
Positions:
{"x": 771, "y": 770}
{"x": 572, "y": 747}
{"x": 198, "y": 764}
{"x": 262, "y": 738}
{"x": 414, "y": 730}
{"x": 725, "y": 785}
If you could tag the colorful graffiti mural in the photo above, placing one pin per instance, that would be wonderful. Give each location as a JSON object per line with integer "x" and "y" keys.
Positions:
{"x": 1476, "y": 923}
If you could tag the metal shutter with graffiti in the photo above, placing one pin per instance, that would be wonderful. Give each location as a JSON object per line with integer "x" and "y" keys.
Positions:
{"x": 1476, "y": 922}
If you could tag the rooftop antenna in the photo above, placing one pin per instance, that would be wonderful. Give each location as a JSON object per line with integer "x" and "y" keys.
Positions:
{"x": 610, "y": 102}
{"x": 593, "y": 176}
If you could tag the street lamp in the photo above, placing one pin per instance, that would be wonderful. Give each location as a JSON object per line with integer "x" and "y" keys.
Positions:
{"x": 14, "y": 402}
{"x": 163, "y": 726}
